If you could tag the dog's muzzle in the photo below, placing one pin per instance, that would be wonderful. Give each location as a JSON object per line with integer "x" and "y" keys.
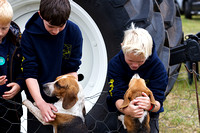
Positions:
{"x": 48, "y": 89}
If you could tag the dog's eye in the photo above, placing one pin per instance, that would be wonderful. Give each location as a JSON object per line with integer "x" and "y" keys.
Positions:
{"x": 57, "y": 85}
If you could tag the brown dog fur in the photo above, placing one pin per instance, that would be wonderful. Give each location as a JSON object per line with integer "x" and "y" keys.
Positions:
{"x": 136, "y": 87}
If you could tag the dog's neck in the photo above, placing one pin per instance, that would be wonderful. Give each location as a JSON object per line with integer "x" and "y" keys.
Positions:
{"x": 143, "y": 116}
{"x": 76, "y": 110}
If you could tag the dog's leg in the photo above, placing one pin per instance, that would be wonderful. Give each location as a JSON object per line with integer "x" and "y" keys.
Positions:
{"x": 121, "y": 118}
{"x": 34, "y": 110}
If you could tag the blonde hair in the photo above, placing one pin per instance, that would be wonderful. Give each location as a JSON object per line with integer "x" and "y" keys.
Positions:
{"x": 6, "y": 12}
{"x": 137, "y": 41}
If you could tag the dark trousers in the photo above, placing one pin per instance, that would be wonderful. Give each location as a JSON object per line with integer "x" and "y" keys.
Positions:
{"x": 34, "y": 126}
{"x": 6, "y": 126}
{"x": 154, "y": 124}
{"x": 10, "y": 117}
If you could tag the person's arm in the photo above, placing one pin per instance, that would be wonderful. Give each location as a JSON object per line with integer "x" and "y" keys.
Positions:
{"x": 157, "y": 84}
{"x": 118, "y": 85}
{"x": 71, "y": 62}
{"x": 45, "y": 108}
{"x": 74, "y": 74}
{"x": 30, "y": 71}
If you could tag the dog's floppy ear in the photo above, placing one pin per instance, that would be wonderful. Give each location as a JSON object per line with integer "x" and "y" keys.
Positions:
{"x": 70, "y": 98}
{"x": 128, "y": 95}
{"x": 126, "y": 100}
{"x": 152, "y": 99}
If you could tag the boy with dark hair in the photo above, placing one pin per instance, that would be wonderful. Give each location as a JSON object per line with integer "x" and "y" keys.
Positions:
{"x": 47, "y": 34}
{"x": 11, "y": 77}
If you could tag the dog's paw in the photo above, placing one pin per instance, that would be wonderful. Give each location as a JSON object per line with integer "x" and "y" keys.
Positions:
{"x": 26, "y": 102}
{"x": 121, "y": 118}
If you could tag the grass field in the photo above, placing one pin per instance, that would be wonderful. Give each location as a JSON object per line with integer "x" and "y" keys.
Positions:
{"x": 191, "y": 26}
{"x": 181, "y": 113}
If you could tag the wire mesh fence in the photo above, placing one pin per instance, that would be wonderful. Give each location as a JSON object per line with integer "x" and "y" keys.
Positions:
{"x": 181, "y": 106}
{"x": 180, "y": 115}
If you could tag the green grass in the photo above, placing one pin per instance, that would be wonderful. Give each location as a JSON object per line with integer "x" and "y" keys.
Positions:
{"x": 181, "y": 114}
{"x": 180, "y": 108}
{"x": 191, "y": 26}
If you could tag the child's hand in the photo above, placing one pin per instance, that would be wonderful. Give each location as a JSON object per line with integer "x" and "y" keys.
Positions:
{"x": 143, "y": 102}
{"x": 47, "y": 111}
{"x": 3, "y": 80}
{"x": 133, "y": 110}
{"x": 15, "y": 88}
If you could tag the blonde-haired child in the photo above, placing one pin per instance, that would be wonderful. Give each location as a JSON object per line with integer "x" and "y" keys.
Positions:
{"x": 137, "y": 41}
{"x": 11, "y": 77}
{"x": 6, "y": 12}
{"x": 138, "y": 55}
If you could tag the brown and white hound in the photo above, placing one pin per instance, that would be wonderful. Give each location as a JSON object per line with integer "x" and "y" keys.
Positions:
{"x": 71, "y": 108}
{"x": 134, "y": 125}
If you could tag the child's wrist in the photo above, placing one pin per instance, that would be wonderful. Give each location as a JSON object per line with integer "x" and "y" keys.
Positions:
{"x": 151, "y": 108}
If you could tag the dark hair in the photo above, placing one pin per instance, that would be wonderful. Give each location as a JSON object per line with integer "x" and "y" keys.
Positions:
{"x": 55, "y": 12}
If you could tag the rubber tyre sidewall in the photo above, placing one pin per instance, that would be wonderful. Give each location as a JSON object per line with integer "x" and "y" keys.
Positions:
{"x": 187, "y": 11}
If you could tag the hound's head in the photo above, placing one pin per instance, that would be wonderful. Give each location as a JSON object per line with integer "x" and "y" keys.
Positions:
{"x": 137, "y": 85}
{"x": 65, "y": 87}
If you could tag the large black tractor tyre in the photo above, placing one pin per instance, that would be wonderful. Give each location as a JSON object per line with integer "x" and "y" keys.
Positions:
{"x": 159, "y": 17}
